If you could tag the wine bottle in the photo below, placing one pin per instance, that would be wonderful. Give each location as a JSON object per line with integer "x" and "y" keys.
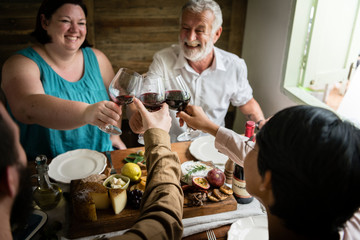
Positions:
{"x": 238, "y": 181}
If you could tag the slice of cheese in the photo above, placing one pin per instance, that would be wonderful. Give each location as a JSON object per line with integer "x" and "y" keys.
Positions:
{"x": 118, "y": 199}
{"x": 101, "y": 200}
{"x": 190, "y": 169}
{"x": 99, "y": 194}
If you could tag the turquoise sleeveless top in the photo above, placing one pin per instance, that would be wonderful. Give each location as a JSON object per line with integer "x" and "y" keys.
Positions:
{"x": 90, "y": 89}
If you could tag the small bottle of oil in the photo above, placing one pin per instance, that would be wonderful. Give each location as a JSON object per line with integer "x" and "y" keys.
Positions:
{"x": 47, "y": 195}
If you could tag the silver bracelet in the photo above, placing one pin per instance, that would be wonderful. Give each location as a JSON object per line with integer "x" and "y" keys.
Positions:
{"x": 257, "y": 124}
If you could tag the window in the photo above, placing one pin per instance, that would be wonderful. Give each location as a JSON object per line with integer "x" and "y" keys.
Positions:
{"x": 323, "y": 50}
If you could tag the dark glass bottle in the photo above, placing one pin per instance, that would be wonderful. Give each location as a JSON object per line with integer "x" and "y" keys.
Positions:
{"x": 238, "y": 181}
{"x": 47, "y": 195}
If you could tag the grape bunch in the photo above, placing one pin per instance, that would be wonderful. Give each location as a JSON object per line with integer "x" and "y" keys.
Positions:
{"x": 134, "y": 198}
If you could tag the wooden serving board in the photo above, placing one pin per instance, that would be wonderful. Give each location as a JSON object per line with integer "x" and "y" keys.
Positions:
{"x": 109, "y": 222}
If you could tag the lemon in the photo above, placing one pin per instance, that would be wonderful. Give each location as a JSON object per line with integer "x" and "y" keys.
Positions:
{"x": 132, "y": 171}
{"x": 140, "y": 153}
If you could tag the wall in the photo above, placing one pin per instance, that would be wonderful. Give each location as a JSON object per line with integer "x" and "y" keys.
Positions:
{"x": 128, "y": 32}
{"x": 265, "y": 46}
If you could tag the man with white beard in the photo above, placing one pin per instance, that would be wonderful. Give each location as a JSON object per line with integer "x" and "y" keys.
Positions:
{"x": 214, "y": 77}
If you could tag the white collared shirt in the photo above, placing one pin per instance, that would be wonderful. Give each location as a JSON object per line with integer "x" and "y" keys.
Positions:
{"x": 224, "y": 82}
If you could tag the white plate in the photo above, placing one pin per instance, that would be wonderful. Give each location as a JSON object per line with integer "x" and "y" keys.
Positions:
{"x": 249, "y": 228}
{"x": 35, "y": 221}
{"x": 76, "y": 164}
{"x": 188, "y": 166}
{"x": 203, "y": 148}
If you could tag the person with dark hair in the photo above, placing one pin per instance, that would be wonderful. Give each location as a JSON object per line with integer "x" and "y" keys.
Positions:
{"x": 57, "y": 89}
{"x": 215, "y": 78}
{"x": 15, "y": 191}
{"x": 47, "y": 9}
{"x": 304, "y": 168}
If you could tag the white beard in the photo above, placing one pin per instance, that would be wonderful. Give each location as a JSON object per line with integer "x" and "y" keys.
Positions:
{"x": 196, "y": 55}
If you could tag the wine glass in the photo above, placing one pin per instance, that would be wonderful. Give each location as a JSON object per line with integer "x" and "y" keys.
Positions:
{"x": 177, "y": 96}
{"x": 152, "y": 94}
{"x": 122, "y": 90}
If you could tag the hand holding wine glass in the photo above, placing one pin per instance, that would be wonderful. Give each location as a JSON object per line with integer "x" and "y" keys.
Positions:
{"x": 178, "y": 97}
{"x": 177, "y": 94}
{"x": 122, "y": 90}
{"x": 151, "y": 94}
{"x": 196, "y": 118}
{"x": 159, "y": 119}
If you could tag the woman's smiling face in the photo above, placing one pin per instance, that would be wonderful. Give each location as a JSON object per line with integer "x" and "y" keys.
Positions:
{"x": 67, "y": 26}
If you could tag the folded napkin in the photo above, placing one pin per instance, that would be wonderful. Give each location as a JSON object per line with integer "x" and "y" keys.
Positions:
{"x": 200, "y": 224}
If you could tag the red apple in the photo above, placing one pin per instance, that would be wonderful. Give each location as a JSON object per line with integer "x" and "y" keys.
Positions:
{"x": 216, "y": 177}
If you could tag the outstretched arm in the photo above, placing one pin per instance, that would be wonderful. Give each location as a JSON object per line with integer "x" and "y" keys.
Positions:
{"x": 29, "y": 103}
{"x": 253, "y": 112}
{"x": 227, "y": 141}
{"x": 195, "y": 117}
{"x": 162, "y": 202}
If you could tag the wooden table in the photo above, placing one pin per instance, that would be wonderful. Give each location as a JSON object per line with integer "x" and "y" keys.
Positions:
{"x": 182, "y": 149}
{"x": 220, "y": 233}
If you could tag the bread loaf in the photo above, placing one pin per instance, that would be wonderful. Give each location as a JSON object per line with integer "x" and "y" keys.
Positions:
{"x": 83, "y": 206}
{"x": 88, "y": 195}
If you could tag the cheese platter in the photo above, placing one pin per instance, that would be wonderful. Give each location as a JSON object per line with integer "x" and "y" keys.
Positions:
{"x": 107, "y": 221}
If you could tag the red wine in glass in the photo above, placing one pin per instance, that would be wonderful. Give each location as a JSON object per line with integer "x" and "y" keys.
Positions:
{"x": 152, "y": 101}
{"x": 122, "y": 89}
{"x": 177, "y": 99}
{"x": 177, "y": 96}
{"x": 123, "y": 99}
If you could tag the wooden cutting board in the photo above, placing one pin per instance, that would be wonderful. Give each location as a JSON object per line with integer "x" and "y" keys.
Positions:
{"x": 109, "y": 222}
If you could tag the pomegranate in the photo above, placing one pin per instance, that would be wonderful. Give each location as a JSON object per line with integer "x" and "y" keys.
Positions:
{"x": 216, "y": 177}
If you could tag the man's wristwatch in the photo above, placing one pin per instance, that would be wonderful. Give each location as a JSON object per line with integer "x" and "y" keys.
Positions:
{"x": 257, "y": 124}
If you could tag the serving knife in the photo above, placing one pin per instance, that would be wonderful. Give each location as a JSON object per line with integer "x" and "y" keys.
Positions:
{"x": 108, "y": 155}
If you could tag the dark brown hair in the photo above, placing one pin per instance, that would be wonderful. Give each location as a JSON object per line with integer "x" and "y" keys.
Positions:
{"x": 48, "y": 7}
{"x": 314, "y": 159}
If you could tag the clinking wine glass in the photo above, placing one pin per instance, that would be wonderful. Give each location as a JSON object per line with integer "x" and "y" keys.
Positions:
{"x": 177, "y": 96}
{"x": 151, "y": 94}
{"x": 122, "y": 90}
